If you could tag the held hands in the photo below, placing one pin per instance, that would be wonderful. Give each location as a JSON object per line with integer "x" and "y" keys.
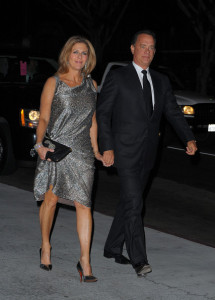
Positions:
{"x": 191, "y": 147}
{"x": 107, "y": 158}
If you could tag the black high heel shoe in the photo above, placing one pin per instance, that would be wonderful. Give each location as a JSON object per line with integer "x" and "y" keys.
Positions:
{"x": 45, "y": 267}
{"x": 88, "y": 278}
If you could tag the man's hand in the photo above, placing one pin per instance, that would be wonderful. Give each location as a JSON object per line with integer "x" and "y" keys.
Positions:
{"x": 191, "y": 147}
{"x": 108, "y": 158}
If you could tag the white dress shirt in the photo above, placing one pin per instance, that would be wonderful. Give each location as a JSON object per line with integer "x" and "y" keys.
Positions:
{"x": 140, "y": 75}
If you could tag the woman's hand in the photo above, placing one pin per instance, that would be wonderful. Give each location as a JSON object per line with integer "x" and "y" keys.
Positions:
{"x": 42, "y": 151}
{"x": 98, "y": 156}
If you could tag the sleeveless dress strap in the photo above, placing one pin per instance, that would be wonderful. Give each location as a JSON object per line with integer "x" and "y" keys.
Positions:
{"x": 90, "y": 80}
{"x": 57, "y": 81}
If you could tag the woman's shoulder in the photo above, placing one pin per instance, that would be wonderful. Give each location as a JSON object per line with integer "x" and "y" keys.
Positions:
{"x": 52, "y": 80}
{"x": 50, "y": 83}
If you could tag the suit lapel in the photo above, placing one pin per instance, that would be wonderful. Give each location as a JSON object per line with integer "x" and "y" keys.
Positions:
{"x": 156, "y": 84}
{"x": 134, "y": 82}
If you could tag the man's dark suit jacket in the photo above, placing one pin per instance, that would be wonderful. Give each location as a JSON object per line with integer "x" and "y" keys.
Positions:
{"x": 122, "y": 120}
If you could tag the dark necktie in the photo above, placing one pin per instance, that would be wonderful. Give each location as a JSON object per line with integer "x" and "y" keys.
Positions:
{"x": 147, "y": 93}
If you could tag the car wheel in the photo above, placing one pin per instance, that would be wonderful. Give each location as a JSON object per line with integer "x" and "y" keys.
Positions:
{"x": 7, "y": 160}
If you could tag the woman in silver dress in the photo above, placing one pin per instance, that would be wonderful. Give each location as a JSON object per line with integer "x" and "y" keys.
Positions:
{"x": 67, "y": 116}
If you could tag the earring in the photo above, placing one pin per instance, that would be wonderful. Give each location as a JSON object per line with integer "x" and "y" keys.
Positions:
{"x": 67, "y": 63}
{"x": 85, "y": 66}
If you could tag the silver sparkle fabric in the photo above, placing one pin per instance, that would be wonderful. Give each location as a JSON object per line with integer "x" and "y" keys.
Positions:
{"x": 70, "y": 121}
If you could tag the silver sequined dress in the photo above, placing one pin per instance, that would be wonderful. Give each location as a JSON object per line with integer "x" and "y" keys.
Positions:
{"x": 70, "y": 121}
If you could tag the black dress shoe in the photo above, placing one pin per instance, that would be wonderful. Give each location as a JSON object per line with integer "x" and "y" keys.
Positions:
{"x": 142, "y": 270}
{"x": 119, "y": 258}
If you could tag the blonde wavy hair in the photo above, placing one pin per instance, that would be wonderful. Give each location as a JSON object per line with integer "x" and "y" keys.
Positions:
{"x": 66, "y": 51}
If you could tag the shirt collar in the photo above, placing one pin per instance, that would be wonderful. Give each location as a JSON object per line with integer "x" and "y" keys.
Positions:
{"x": 138, "y": 68}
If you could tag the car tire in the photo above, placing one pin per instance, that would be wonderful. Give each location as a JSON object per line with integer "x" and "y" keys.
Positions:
{"x": 7, "y": 160}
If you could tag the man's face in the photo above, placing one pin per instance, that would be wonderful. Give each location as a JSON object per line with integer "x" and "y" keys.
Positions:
{"x": 144, "y": 50}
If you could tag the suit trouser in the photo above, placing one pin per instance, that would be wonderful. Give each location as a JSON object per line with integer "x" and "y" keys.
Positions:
{"x": 128, "y": 225}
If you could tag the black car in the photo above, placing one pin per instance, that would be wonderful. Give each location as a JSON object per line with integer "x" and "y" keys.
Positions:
{"x": 22, "y": 77}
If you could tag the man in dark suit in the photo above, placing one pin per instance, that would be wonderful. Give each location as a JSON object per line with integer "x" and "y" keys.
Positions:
{"x": 129, "y": 112}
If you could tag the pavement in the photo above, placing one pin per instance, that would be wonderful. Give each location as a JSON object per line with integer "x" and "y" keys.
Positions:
{"x": 182, "y": 269}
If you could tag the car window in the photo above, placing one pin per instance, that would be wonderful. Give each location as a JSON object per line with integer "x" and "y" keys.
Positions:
{"x": 30, "y": 70}
{"x": 174, "y": 80}
{"x": 114, "y": 67}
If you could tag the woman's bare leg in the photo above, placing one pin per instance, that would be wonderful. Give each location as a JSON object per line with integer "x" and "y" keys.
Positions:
{"x": 46, "y": 214}
{"x": 84, "y": 229}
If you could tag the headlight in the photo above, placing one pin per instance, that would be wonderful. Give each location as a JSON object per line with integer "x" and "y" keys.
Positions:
{"x": 188, "y": 110}
{"x": 29, "y": 117}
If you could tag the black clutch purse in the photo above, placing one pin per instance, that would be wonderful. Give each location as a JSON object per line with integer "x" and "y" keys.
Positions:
{"x": 60, "y": 150}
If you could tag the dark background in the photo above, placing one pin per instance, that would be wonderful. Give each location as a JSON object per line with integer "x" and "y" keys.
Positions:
{"x": 44, "y": 28}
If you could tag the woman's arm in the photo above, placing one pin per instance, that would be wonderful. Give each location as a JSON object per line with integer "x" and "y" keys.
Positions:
{"x": 94, "y": 141}
{"x": 45, "y": 110}
{"x": 94, "y": 135}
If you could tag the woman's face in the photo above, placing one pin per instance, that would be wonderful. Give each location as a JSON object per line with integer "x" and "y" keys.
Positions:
{"x": 78, "y": 56}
